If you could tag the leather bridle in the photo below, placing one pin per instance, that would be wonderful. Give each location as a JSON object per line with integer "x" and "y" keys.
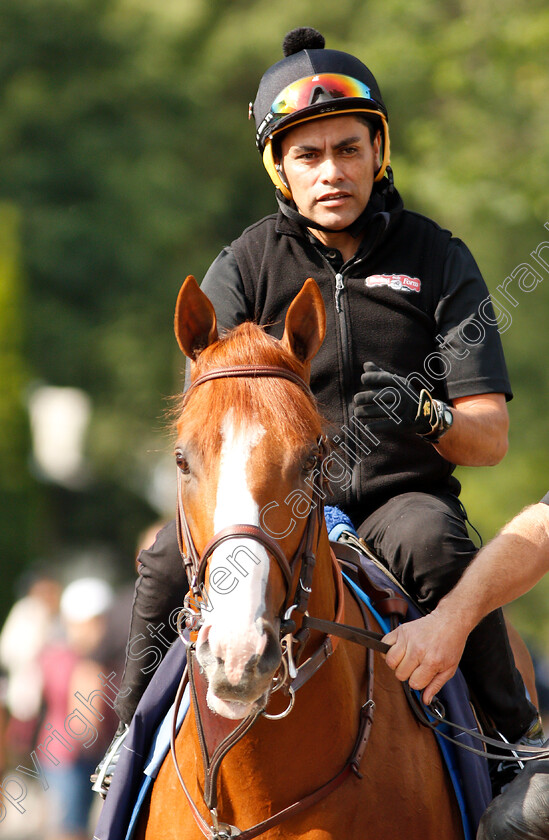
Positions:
{"x": 295, "y": 677}
{"x": 196, "y": 563}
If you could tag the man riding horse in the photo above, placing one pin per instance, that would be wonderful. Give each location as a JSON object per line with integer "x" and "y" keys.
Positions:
{"x": 411, "y": 375}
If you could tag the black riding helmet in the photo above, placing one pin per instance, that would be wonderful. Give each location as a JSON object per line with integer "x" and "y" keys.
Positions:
{"x": 312, "y": 82}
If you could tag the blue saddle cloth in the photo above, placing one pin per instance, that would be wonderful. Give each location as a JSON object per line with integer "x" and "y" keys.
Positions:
{"x": 148, "y": 743}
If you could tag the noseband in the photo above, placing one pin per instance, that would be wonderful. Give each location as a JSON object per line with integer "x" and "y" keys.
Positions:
{"x": 196, "y": 564}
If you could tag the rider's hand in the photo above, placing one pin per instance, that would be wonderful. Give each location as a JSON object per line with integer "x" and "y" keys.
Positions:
{"x": 386, "y": 396}
{"x": 426, "y": 652}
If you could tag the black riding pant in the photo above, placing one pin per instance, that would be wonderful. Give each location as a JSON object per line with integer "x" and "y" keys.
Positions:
{"x": 159, "y": 592}
{"x": 421, "y": 538}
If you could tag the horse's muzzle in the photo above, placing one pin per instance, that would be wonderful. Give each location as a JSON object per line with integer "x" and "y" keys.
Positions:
{"x": 240, "y": 676}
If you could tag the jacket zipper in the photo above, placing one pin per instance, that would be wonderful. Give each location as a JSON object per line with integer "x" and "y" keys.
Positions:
{"x": 339, "y": 290}
{"x": 343, "y": 332}
{"x": 347, "y": 366}
{"x": 347, "y": 377}
{"x": 340, "y": 286}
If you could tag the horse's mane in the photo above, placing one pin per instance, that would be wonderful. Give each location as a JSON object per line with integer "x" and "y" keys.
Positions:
{"x": 276, "y": 403}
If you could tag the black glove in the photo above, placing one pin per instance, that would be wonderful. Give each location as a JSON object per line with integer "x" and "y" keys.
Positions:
{"x": 388, "y": 397}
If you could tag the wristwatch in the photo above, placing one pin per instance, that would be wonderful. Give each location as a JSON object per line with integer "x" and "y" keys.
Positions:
{"x": 444, "y": 421}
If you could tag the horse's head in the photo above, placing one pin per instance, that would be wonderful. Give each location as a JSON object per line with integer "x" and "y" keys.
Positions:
{"x": 247, "y": 451}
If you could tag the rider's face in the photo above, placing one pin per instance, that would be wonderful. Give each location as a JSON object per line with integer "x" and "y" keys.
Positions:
{"x": 330, "y": 164}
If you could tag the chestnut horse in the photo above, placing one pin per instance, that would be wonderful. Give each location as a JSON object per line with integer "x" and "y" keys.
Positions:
{"x": 249, "y": 454}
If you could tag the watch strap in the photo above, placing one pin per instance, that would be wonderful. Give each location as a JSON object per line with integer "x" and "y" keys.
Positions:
{"x": 441, "y": 421}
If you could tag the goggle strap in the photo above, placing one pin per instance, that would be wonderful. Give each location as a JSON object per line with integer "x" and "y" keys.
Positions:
{"x": 274, "y": 175}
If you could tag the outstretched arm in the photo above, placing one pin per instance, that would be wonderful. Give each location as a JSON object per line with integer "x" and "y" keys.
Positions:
{"x": 427, "y": 651}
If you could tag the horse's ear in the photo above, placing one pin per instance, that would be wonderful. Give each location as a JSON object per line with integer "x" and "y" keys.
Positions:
{"x": 305, "y": 325}
{"x": 195, "y": 323}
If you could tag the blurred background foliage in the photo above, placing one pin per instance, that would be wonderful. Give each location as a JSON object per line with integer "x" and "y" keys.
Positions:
{"x": 127, "y": 162}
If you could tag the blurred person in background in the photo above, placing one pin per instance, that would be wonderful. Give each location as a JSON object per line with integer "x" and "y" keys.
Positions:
{"x": 77, "y": 717}
{"x": 32, "y": 622}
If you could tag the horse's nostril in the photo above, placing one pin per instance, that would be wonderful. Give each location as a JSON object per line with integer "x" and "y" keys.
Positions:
{"x": 270, "y": 660}
{"x": 272, "y": 648}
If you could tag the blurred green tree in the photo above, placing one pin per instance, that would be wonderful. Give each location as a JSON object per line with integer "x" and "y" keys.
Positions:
{"x": 92, "y": 142}
{"x": 126, "y": 149}
{"x": 18, "y": 512}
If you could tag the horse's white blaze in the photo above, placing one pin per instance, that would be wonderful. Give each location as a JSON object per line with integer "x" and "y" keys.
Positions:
{"x": 239, "y": 568}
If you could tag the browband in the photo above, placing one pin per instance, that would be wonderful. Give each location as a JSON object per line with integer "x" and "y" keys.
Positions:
{"x": 250, "y": 371}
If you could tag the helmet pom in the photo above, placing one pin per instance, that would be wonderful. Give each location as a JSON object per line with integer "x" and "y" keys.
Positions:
{"x": 304, "y": 38}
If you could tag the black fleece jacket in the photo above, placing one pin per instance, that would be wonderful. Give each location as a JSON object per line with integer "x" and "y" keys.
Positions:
{"x": 412, "y": 300}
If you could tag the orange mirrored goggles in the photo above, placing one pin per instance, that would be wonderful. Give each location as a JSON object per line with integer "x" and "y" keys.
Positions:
{"x": 322, "y": 87}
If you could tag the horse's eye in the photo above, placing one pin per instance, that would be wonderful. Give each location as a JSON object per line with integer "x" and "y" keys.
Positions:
{"x": 310, "y": 463}
{"x": 182, "y": 462}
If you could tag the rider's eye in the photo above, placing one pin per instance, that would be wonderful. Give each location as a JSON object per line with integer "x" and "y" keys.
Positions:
{"x": 182, "y": 462}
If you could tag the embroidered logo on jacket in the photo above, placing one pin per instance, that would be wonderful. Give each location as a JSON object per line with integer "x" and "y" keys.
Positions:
{"x": 398, "y": 282}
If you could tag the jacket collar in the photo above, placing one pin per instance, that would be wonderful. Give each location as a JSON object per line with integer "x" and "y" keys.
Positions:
{"x": 382, "y": 211}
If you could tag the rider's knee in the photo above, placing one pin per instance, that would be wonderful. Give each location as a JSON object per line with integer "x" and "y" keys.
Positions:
{"x": 522, "y": 809}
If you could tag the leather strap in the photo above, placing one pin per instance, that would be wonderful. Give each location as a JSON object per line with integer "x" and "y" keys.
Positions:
{"x": 249, "y": 371}
{"x": 299, "y": 806}
{"x": 367, "y": 638}
{"x": 232, "y": 532}
{"x": 507, "y": 752}
{"x": 216, "y": 735}
{"x": 306, "y": 669}
{"x": 200, "y": 821}
{"x": 351, "y": 766}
